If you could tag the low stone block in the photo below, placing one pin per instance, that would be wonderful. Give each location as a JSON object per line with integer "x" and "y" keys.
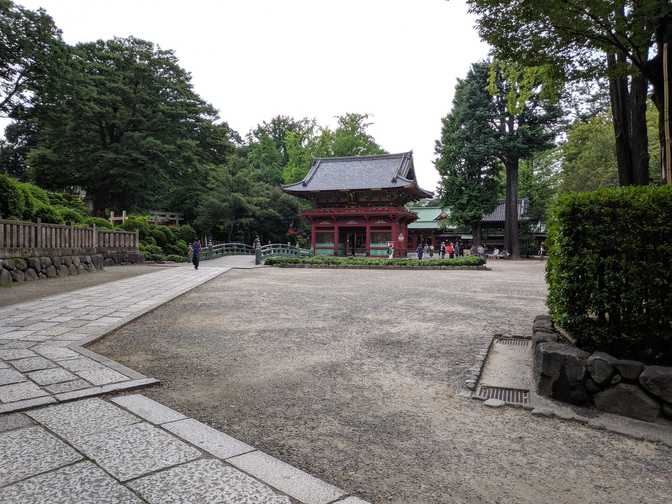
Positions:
{"x": 16, "y": 353}
{"x": 292, "y": 481}
{"x": 51, "y": 376}
{"x": 559, "y": 371}
{"x": 658, "y": 381}
{"x": 5, "y": 278}
{"x": 63, "y": 271}
{"x": 45, "y": 262}
{"x": 18, "y": 276}
{"x": 628, "y": 400}
{"x": 51, "y": 272}
{"x": 601, "y": 367}
{"x": 543, "y": 322}
{"x": 13, "y": 421}
{"x": 102, "y": 376}
{"x": 148, "y": 409}
{"x": 543, "y": 336}
{"x": 67, "y": 260}
{"x": 73, "y": 269}
{"x": 31, "y": 275}
{"x": 206, "y": 438}
{"x": 34, "y": 263}
{"x": 629, "y": 369}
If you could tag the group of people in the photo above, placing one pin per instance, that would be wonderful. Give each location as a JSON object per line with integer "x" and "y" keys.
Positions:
{"x": 446, "y": 249}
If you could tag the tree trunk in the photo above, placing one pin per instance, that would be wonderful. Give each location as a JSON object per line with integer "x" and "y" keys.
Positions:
{"x": 639, "y": 138}
{"x": 475, "y": 236}
{"x": 511, "y": 231}
{"x": 618, "y": 96}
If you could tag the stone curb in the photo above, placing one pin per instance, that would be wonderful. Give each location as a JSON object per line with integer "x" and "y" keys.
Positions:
{"x": 376, "y": 267}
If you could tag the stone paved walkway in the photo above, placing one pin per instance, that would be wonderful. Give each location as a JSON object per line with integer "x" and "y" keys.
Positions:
{"x": 41, "y": 355}
{"x": 132, "y": 450}
{"x": 128, "y": 449}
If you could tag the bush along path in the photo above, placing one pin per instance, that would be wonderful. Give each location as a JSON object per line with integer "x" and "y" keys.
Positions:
{"x": 470, "y": 262}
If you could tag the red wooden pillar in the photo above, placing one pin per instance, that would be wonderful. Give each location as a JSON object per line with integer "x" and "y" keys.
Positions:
{"x": 313, "y": 237}
{"x": 395, "y": 242}
{"x": 367, "y": 243}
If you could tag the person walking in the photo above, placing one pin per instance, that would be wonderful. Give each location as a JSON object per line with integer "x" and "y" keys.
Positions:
{"x": 442, "y": 250}
{"x": 458, "y": 248}
{"x": 419, "y": 251}
{"x": 196, "y": 253}
{"x": 450, "y": 250}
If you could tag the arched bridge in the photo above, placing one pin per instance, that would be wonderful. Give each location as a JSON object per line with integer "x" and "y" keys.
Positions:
{"x": 270, "y": 250}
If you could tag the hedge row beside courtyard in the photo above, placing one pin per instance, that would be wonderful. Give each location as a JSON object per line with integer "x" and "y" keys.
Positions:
{"x": 610, "y": 271}
{"x": 367, "y": 261}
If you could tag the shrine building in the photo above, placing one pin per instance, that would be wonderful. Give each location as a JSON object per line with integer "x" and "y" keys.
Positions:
{"x": 358, "y": 203}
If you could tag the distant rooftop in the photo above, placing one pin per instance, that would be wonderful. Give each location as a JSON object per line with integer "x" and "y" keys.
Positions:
{"x": 429, "y": 217}
{"x": 499, "y": 213}
{"x": 383, "y": 171}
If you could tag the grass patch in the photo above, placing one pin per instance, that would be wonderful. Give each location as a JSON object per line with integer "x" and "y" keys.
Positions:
{"x": 369, "y": 261}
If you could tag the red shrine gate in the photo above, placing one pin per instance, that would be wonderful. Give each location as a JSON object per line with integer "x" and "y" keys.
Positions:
{"x": 359, "y": 231}
{"x": 358, "y": 203}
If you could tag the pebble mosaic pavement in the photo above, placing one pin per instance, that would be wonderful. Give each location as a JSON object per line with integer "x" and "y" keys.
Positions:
{"x": 128, "y": 449}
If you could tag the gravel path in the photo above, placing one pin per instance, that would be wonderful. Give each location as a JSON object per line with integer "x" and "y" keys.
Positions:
{"x": 351, "y": 376}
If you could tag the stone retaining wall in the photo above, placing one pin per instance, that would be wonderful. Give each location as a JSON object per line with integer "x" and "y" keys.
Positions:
{"x": 625, "y": 387}
{"x": 18, "y": 269}
{"x": 378, "y": 266}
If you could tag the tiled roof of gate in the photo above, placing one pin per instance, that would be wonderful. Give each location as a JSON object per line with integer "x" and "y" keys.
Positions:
{"x": 383, "y": 171}
{"x": 499, "y": 213}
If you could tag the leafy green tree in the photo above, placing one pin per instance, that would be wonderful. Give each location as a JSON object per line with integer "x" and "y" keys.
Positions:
{"x": 30, "y": 51}
{"x": 465, "y": 153}
{"x": 351, "y": 137}
{"x": 623, "y": 40}
{"x": 524, "y": 121}
{"x": 539, "y": 181}
{"x": 124, "y": 124}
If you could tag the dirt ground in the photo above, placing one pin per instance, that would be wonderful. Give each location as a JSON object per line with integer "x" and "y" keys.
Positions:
{"x": 29, "y": 291}
{"x": 351, "y": 376}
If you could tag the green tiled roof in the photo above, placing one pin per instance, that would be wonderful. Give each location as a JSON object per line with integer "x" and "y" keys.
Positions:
{"x": 426, "y": 217}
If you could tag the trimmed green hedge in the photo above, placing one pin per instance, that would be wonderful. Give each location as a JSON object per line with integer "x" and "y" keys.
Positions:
{"x": 367, "y": 261}
{"x": 610, "y": 270}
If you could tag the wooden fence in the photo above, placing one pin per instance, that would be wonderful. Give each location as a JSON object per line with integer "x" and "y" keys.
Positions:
{"x": 28, "y": 239}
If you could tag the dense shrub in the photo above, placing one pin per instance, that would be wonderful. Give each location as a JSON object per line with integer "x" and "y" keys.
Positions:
{"x": 186, "y": 233}
{"x": 12, "y": 199}
{"x": 610, "y": 270}
{"x": 98, "y": 221}
{"x": 369, "y": 261}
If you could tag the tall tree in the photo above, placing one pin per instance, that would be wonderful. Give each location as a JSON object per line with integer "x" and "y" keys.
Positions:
{"x": 465, "y": 153}
{"x": 524, "y": 122}
{"x": 30, "y": 51}
{"x": 124, "y": 124}
{"x": 624, "y": 39}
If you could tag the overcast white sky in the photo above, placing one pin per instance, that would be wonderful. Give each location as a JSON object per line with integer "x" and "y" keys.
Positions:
{"x": 252, "y": 59}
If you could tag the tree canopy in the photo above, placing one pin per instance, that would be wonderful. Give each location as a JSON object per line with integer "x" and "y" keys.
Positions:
{"x": 465, "y": 153}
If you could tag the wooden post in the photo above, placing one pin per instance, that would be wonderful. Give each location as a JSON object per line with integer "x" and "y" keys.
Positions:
{"x": 94, "y": 238}
{"x": 667, "y": 172}
{"x": 137, "y": 239}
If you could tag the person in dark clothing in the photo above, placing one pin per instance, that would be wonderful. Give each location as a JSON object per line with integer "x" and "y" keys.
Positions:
{"x": 419, "y": 251}
{"x": 196, "y": 253}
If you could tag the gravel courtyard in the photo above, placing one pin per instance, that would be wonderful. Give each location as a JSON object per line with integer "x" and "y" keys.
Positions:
{"x": 350, "y": 375}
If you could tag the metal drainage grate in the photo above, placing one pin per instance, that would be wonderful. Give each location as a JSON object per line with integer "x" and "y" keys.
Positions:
{"x": 521, "y": 344}
{"x": 517, "y": 397}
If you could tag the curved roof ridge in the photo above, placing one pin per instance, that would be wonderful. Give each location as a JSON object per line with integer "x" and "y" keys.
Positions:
{"x": 366, "y": 156}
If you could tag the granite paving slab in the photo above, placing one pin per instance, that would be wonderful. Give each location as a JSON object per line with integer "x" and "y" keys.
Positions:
{"x": 32, "y": 364}
{"x": 50, "y": 376}
{"x": 59, "y": 388}
{"x": 206, "y": 438}
{"x": 12, "y": 421}
{"x": 81, "y": 418}
{"x": 74, "y": 319}
{"x": 20, "y": 392}
{"x": 134, "y": 450}
{"x": 81, "y": 483}
{"x": 55, "y": 353}
{"x": 148, "y": 409}
{"x": 205, "y": 481}
{"x": 30, "y": 451}
{"x": 294, "y": 482}
{"x": 101, "y": 376}
{"x": 16, "y": 353}
{"x": 8, "y": 375}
